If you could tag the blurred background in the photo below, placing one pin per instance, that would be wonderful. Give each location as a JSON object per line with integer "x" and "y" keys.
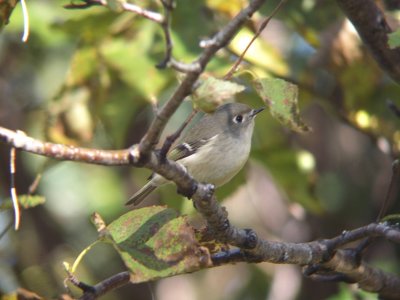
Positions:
{"x": 88, "y": 78}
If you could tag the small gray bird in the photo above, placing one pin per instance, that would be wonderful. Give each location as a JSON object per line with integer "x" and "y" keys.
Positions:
{"x": 214, "y": 150}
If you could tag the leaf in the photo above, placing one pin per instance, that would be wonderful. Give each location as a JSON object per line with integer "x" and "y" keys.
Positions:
{"x": 394, "y": 39}
{"x": 83, "y": 66}
{"x": 281, "y": 99}
{"x": 29, "y": 201}
{"x": 134, "y": 62}
{"x": 26, "y": 201}
{"x": 155, "y": 242}
{"x": 213, "y": 92}
{"x": 261, "y": 55}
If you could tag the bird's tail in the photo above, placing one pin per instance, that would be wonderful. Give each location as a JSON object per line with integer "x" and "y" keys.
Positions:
{"x": 140, "y": 195}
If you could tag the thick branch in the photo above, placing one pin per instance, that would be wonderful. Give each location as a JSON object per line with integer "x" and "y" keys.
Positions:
{"x": 20, "y": 140}
{"x": 253, "y": 249}
{"x": 106, "y": 285}
{"x": 372, "y": 27}
{"x": 331, "y": 261}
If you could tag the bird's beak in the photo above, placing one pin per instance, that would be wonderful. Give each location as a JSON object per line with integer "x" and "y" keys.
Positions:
{"x": 256, "y": 111}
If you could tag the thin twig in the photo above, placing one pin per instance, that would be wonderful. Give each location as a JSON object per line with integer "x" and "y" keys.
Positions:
{"x": 392, "y": 191}
{"x": 148, "y": 14}
{"x": 166, "y": 24}
{"x": 26, "y": 21}
{"x": 256, "y": 35}
{"x": 106, "y": 285}
{"x": 185, "y": 88}
{"x": 183, "y": 67}
{"x": 35, "y": 183}
{"x": 393, "y": 107}
{"x": 79, "y": 284}
{"x": 13, "y": 190}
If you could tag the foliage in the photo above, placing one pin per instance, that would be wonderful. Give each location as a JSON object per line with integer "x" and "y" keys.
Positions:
{"x": 88, "y": 78}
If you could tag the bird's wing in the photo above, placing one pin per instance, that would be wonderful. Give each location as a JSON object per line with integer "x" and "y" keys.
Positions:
{"x": 191, "y": 144}
{"x": 185, "y": 149}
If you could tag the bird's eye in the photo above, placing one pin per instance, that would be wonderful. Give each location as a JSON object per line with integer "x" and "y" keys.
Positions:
{"x": 238, "y": 119}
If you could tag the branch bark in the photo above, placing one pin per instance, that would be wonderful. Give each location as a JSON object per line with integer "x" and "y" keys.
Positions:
{"x": 326, "y": 254}
{"x": 373, "y": 29}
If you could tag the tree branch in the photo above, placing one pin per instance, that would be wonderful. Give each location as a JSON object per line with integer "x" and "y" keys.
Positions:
{"x": 372, "y": 27}
{"x": 148, "y": 14}
{"x": 93, "y": 292}
{"x": 324, "y": 260}
{"x": 252, "y": 248}
{"x": 325, "y": 254}
{"x": 221, "y": 39}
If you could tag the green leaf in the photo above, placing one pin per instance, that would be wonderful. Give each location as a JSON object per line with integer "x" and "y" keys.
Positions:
{"x": 213, "y": 92}
{"x": 83, "y": 66}
{"x": 155, "y": 242}
{"x": 281, "y": 99}
{"x": 133, "y": 61}
{"x": 394, "y": 39}
{"x": 26, "y": 201}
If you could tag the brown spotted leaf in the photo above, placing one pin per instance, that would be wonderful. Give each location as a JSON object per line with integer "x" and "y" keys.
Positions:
{"x": 281, "y": 99}
{"x": 214, "y": 92}
{"x": 155, "y": 242}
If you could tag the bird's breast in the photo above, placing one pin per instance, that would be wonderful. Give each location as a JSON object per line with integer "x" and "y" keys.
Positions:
{"x": 219, "y": 160}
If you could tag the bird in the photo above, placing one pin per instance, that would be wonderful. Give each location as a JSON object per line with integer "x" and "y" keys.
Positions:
{"x": 212, "y": 151}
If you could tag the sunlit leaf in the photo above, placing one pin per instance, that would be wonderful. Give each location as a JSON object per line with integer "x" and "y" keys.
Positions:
{"x": 213, "y": 92}
{"x": 229, "y": 7}
{"x": 28, "y": 201}
{"x": 155, "y": 242}
{"x": 132, "y": 61}
{"x": 260, "y": 53}
{"x": 394, "y": 39}
{"x": 281, "y": 99}
{"x": 83, "y": 65}
{"x": 74, "y": 122}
